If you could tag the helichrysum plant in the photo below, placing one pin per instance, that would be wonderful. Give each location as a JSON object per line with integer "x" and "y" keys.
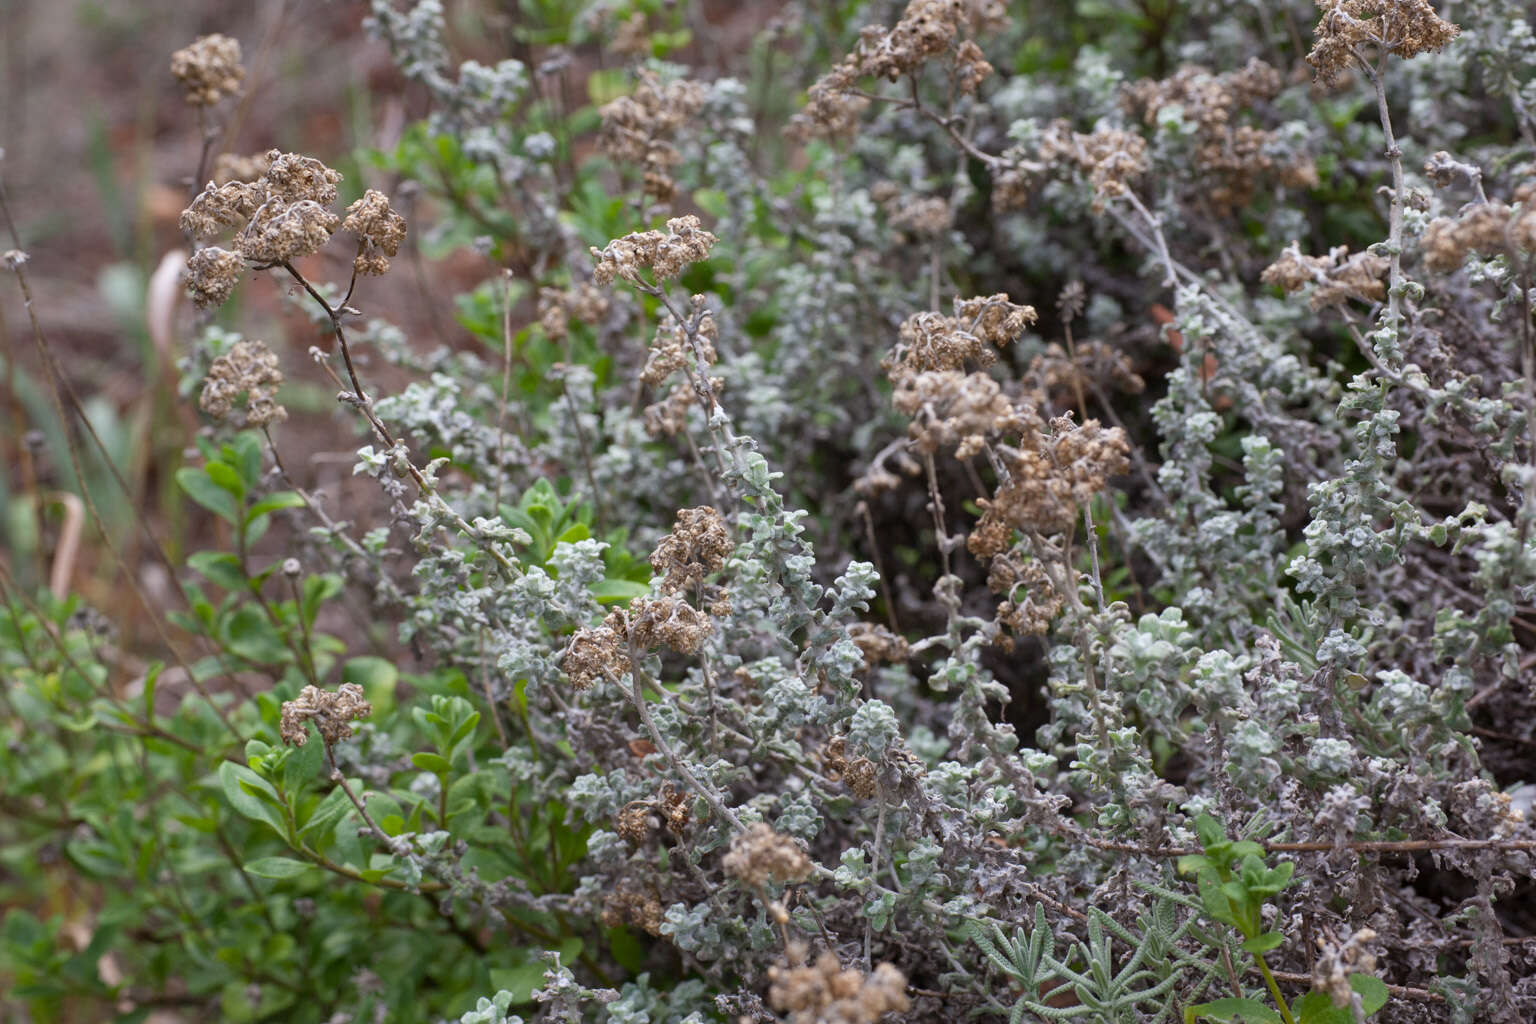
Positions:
{"x": 864, "y": 556}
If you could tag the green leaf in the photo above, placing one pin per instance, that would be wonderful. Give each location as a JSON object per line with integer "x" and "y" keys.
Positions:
{"x": 1373, "y": 991}
{"x": 276, "y": 867}
{"x": 219, "y": 567}
{"x": 434, "y": 763}
{"x": 225, "y": 476}
{"x": 252, "y": 796}
{"x": 326, "y": 813}
{"x": 1263, "y": 943}
{"x": 273, "y": 502}
{"x": 1231, "y": 1009}
{"x": 208, "y": 494}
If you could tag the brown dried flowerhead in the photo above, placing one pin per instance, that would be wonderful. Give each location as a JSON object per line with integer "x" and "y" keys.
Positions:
{"x": 632, "y": 904}
{"x": 212, "y": 274}
{"x": 293, "y": 177}
{"x": 583, "y": 301}
{"x": 281, "y": 216}
{"x": 857, "y": 772}
{"x": 667, "y": 621}
{"x": 760, "y": 855}
{"x": 927, "y": 29}
{"x": 826, "y": 993}
{"x": 1050, "y": 476}
{"x": 1030, "y": 603}
{"x": 666, "y": 253}
{"x": 698, "y": 546}
{"x": 639, "y": 128}
{"x": 671, "y": 349}
{"x": 209, "y": 69}
{"x": 949, "y": 408}
{"x": 932, "y": 341}
{"x": 379, "y": 231}
{"x": 669, "y": 417}
{"x": 249, "y": 369}
{"x": 1111, "y": 158}
{"x": 332, "y": 714}
{"x": 228, "y": 167}
{"x": 1350, "y": 28}
{"x": 1229, "y": 157}
{"x": 878, "y": 644}
{"x": 596, "y": 652}
{"x": 1338, "y": 276}
{"x": 282, "y": 232}
{"x": 1092, "y": 364}
{"x": 1489, "y": 229}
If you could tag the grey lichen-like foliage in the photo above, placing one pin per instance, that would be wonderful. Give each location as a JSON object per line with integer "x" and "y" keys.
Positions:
{"x": 1311, "y": 589}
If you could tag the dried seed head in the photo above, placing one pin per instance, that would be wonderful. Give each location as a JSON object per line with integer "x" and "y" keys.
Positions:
{"x": 1111, "y": 158}
{"x": 379, "y": 231}
{"x": 219, "y": 207}
{"x": 1338, "y": 276}
{"x": 281, "y": 232}
{"x": 698, "y": 545}
{"x": 250, "y": 368}
{"x": 932, "y": 341}
{"x": 824, "y": 992}
{"x": 668, "y": 622}
{"x": 760, "y": 855}
{"x": 1404, "y": 28}
{"x": 666, "y": 253}
{"x": 212, "y": 274}
{"x": 332, "y": 713}
{"x": 209, "y": 69}
{"x": 1049, "y": 477}
{"x": 228, "y": 167}
{"x": 596, "y": 652}
{"x": 292, "y": 177}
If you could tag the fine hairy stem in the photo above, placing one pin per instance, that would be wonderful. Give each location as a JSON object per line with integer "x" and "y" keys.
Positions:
{"x": 638, "y": 680}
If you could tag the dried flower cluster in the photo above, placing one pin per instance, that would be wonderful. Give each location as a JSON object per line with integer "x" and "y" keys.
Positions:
{"x": 1338, "y": 277}
{"x": 671, "y": 349}
{"x": 1049, "y": 477}
{"x": 760, "y": 855}
{"x": 331, "y": 713}
{"x": 379, "y": 231}
{"x": 1404, "y": 28}
{"x": 932, "y": 341}
{"x": 697, "y": 547}
{"x": 639, "y": 129}
{"x": 1488, "y": 229}
{"x": 669, "y": 417}
{"x": 857, "y": 772}
{"x": 1092, "y": 366}
{"x": 209, "y": 69}
{"x": 927, "y": 29}
{"x": 665, "y": 253}
{"x": 917, "y": 215}
{"x": 250, "y": 368}
{"x": 1229, "y": 157}
{"x": 595, "y": 653}
{"x": 963, "y": 410}
{"x": 1111, "y": 159}
{"x": 281, "y": 216}
{"x": 1030, "y": 601}
{"x": 229, "y": 167}
{"x": 583, "y": 301}
{"x": 827, "y": 993}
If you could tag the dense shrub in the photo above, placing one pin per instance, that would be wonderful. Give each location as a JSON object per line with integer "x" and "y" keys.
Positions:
{"x": 1039, "y": 527}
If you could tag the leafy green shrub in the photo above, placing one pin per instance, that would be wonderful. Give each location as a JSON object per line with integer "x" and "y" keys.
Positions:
{"x": 852, "y": 564}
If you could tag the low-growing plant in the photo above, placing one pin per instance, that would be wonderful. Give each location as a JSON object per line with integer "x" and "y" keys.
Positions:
{"x": 836, "y": 574}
